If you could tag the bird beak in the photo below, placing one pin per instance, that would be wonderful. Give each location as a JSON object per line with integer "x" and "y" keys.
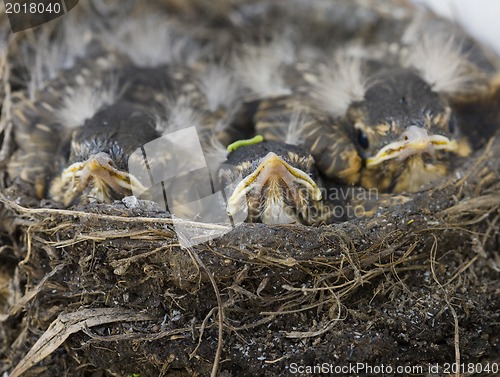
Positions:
{"x": 98, "y": 172}
{"x": 272, "y": 182}
{"x": 415, "y": 140}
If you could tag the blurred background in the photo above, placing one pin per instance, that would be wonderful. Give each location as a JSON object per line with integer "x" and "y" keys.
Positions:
{"x": 479, "y": 17}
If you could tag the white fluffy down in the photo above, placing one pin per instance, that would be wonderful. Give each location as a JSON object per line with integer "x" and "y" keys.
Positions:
{"x": 341, "y": 82}
{"x": 181, "y": 114}
{"x": 49, "y": 58}
{"x": 83, "y": 102}
{"x": 153, "y": 40}
{"x": 219, "y": 87}
{"x": 261, "y": 68}
{"x": 441, "y": 63}
{"x": 295, "y": 128}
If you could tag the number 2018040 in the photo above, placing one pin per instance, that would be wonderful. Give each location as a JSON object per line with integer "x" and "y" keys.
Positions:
{"x": 27, "y": 8}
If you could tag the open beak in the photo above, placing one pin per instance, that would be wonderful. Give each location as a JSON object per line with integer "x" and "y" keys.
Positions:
{"x": 275, "y": 186}
{"x": 98, "y": 173}
{"x": 414, "y": 141}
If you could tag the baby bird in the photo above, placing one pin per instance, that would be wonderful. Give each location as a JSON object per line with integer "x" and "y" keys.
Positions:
{"x": 280, "y": 185}
{"x": 405, "y": 134}
{"x": 97, "y": 166}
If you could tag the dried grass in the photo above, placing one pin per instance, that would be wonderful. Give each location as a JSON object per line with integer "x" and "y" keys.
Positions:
{"x": 277, "y": 271}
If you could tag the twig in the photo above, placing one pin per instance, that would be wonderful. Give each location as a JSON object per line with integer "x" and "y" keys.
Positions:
{"x": 456, "y": 337}
{"x": 220, "y": 339}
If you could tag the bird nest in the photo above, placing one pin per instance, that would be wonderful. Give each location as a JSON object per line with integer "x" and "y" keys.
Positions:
{"x": 108, "y": 289}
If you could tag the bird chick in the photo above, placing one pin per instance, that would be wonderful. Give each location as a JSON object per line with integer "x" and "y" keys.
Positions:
{"x": 405, "y": 133}
{"x": 280, "y": 184}
{"x": 98, "y": 157}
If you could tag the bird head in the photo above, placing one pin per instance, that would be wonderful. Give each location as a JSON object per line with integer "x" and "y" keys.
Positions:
{"x": 405, "y": 133}
{"x": 97, "y": 167}
{"x": 279, "y": 185}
